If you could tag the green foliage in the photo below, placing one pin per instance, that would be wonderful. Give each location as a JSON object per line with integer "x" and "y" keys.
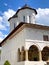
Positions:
{"x": 7, "y": 63}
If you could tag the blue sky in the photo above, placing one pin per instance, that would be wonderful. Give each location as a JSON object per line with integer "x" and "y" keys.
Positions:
{"x": 9, "y": 7}
{"x": 14, "y": 4}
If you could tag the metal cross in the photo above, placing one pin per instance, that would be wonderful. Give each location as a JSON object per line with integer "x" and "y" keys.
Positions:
{"x": 25, "y": 1}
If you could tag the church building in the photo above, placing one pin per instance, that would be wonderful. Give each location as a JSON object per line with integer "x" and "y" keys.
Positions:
{"x": 27, "y": 42}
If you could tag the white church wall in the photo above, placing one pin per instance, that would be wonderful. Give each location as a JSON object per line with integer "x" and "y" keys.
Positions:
{"x": 35, "y": 63}
{"x": 10, "y": 48}
{"x": 26, "y": 38}
{"x": 21, "y": 63}
{"x": 36, "y": 34}
{"x": 39, "y": 44}
{"x": 26, "y": 13}
{"x": 35, "y": 37}
{"x": 12, "y": 22}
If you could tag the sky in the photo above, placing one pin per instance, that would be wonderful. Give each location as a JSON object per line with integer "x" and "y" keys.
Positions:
{"x": 9, "y": 7}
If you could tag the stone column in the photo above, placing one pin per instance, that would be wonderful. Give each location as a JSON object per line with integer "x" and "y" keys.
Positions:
{"x": 33, "y": 18}
{"x": 21, "y": 55}
{"x": 26, "y": 55}
{"x": 18, "y": 54}
{"x": 27, "y": 18}
{"x": 40, "y": 56}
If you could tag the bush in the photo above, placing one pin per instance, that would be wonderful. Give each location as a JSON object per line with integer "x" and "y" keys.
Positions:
{"x": 7, "y": 63}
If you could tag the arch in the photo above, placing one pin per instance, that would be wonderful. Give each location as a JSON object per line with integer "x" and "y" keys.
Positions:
{"x": 35, "y": 44}
{"x": 45, "y": 53}
{"x": 33, "y": 53}
{"x": 44, "y": 47}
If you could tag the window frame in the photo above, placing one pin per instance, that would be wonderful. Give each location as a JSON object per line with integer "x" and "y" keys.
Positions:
{"x": 45, "y": 38}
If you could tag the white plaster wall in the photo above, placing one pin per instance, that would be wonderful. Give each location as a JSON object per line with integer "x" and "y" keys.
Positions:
{"x": 35, "y": 37}
{"x": 39, "y": 44}
{"x": 10, "y": 48}
{"x": 12, "y": 21}
{"x": 20, "y": 63}
{"x": 26, "y": 38}
{"x": 35, "y": 63}
{"x": 26, "y": 13}
{"x": 35, "y": 34}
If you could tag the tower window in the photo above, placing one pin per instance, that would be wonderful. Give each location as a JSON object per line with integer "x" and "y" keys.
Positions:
{"x": 45, "y": 37}
{"x": 14, "y": 25}
{"x": 24, "y": 18}
{"x": 29, "y": 19}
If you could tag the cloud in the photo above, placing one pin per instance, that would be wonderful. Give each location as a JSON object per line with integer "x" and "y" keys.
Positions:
{"x": 0, "y": 13}
{"x": 4, "y": 22}
{"x": 19, "y": 7}
{"x": 2, "y": 27}
{"x": 7, "y": 15}
{"x": 4, "y": 18}
{"x": 0, "y": 18}
{"x": 43, "y": 16}
{"x": 1, "y": 39}
{"x": 1, "y": 36}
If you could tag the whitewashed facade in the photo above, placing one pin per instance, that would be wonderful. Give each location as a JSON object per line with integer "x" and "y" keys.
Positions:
{"x": 25, "y": 36}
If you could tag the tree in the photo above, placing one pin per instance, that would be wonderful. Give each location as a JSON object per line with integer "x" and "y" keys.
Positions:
{"x": 7, "y": 63}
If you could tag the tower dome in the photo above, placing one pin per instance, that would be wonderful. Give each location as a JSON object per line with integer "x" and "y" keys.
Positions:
{"x": 23, "y": 14}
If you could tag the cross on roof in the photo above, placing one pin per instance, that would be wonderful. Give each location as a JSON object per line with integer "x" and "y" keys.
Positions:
{"x": 25, "y": 1}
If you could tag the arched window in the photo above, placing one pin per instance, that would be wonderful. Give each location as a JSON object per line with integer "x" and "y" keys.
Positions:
{"x": 33, "y": 53}
{"x": 24, "y": 18}
{"x": 45, "y": 53}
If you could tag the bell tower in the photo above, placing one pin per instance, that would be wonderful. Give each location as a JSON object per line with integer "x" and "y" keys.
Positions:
{"x": 25, "y": 14}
